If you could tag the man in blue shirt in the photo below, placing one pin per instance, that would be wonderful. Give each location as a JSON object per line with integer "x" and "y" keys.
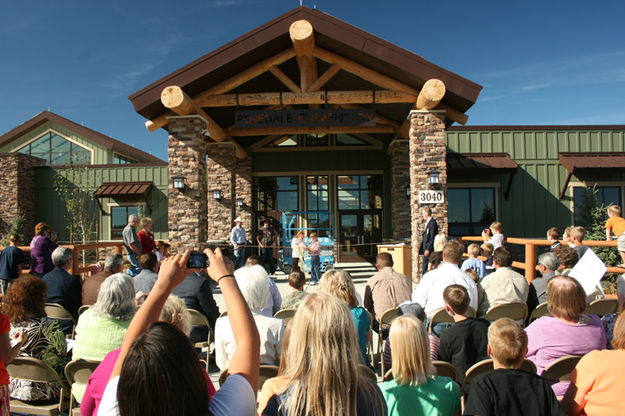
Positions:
{"x": 238, "y": 240}
{"x": 11, "y": 261}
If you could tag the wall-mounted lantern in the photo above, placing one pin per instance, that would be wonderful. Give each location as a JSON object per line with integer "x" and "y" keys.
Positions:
{"x": 239, "y": 202}
{"x": 179, "y": 183}
{"x": 433, "y": 178}
{"x": 216, "y": 194}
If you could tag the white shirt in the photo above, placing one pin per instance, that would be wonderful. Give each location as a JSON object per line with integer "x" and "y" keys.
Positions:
{"x": 297, "y": 248}
{"x": 429, "y": 291}
{"x": 274, "y": 302}
{"x": 496, "y": 240}
{"x": 271, "y": 331}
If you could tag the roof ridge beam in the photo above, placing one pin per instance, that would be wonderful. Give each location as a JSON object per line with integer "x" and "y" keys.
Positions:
{"x": 303, "y": 38}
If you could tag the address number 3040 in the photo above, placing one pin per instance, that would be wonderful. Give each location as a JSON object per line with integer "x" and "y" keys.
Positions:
{"x": 431, "y": 197}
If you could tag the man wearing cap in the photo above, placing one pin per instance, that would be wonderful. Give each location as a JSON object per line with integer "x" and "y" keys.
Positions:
{"x": 265, "y": 238}
{"x": 238, "y": 240}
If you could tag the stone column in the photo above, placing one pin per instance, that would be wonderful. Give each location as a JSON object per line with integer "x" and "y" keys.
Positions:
{"x": 400, "y": 180}
{"x": 428, "y": 152}
{"x": 187, "y": 157}
{"x": 233, "y": 177}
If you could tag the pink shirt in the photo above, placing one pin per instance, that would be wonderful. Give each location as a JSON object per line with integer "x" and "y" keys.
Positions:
{"x": 314, "y": 247}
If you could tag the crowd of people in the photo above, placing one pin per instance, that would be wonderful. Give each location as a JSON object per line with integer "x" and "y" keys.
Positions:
{"x": 136, "y": 323}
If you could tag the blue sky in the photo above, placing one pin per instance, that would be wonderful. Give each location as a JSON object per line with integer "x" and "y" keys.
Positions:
{"x": 540, "y": 62}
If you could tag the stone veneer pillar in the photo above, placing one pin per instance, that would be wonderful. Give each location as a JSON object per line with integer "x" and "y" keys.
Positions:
{"x": 187, "y": 157}
{"x": 233, "y": 177}
{"x": 17, "y": 191}
{"x": 428, "y": 152}
{"x": 400, "y": 180}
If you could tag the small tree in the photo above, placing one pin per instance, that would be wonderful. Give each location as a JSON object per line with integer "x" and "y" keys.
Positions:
{"x": 17, "y": 227}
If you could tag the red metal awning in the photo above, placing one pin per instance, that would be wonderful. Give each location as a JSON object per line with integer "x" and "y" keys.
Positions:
{"x": 579, "y": 162}
{"x": 471, "y": 161}
{"x": 116, "y": 189}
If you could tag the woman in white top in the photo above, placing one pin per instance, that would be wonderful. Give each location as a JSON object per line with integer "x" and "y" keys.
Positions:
{"x": 297, "y": 251}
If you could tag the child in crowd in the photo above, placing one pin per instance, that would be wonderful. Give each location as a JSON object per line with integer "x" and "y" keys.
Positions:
{"x": 162, "y": 251}
{"x": 577, "y": 236}
{"x": 473, "y": 262}
{"x": 297, "y": 280}
{"x": 466, "y": 341}
{"x": 415, "y": 389}
{"x": 566, "y": 236}
{"x": 616, "y": 225}
{"x": 11, "y": 261}
{"x": 314, "y": 248}
{"x": 568, "y": 258}
{"x": 481, "y": 293}
{"x": 435, "y": 260}
{"x": 439, "y": 242}
{"x": 494, "y": 235}
{"x": 553, "y": 236}
{"x": 508, "y": 390}
{"x": 487, "y": 251}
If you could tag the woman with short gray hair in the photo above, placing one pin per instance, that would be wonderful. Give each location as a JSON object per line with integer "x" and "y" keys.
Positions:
{"x": 102, "y": 327}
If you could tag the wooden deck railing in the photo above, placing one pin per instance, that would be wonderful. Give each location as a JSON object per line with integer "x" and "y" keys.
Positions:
{"x": 529, "y": 265}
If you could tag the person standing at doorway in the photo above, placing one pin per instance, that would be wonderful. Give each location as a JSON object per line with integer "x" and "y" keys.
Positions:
{"x": 238, "y": 240}
{"x": 314, "y": 248}
{"x": 297, "y": 250}
{"x": 133, "y": 244}
{"x": 265, "y": 238}
{"x": 430, "y": 230}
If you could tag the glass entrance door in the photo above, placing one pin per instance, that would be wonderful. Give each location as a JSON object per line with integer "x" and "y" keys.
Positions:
{"x": 359, "y": 233}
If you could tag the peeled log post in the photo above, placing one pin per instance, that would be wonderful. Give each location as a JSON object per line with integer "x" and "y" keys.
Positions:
{"x": 303, "y": 38}
{"x": 431, "y": 94}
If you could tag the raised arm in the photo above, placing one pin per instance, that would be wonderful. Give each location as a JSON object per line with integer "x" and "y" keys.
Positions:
{"x": 246, "y": 358}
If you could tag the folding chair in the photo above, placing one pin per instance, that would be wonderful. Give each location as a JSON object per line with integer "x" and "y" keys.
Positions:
{"x": 58, "y": 312}
{"x": 367, "y": 373}
{"x": 560, "y": 369}
{"x": 602, "y": 307}
{"x": 197, "y": 319}
{"x": 29, "y": 368}
{"x": 77, "y": 373}
{"x": 370, "y": 342}
{"x": 385, "y": 320}
{"x": 286, "y": 315}
{"x": 83, "y": 308}
{"x": 514, "y": 311}
{"x": 440, "y": 317}
{"x": 446, "y": 369}
{"x": 541, "y": 310}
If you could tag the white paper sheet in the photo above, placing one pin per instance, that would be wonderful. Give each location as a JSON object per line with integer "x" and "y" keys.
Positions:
{"x": 589, "y": 271}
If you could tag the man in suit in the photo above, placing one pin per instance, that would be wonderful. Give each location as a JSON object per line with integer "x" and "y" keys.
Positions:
{"x": 430, "y": 230}
{"x": 63, "y": 288}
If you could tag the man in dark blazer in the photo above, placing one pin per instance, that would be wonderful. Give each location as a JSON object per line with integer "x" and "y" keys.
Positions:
{"x": 427, "y": 238}
{"x": 64, "y": 288}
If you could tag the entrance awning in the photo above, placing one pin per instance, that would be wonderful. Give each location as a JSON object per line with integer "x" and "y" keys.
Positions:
{"x": 137, "y": 190}
{"x": 472, "y": 163}
{"x": 590, "y": 162}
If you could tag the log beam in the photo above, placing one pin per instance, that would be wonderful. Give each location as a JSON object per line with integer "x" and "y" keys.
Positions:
{"x": 431, "y": 94}
{"x": 241, "y": 132}
{"x": 284, "y": 78}
{"x": 176, "y": 100}
{"x": 303, "y": 38}
{"x": 325, "y": 77}
{"x": 379, "y": 118}
{"x": 315, "y": 97}
{"x": 453, "y": 114}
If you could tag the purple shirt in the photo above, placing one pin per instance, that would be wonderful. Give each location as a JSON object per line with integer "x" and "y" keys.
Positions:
{"x": 550, "y": 338}
{"x": 41, "y": 249}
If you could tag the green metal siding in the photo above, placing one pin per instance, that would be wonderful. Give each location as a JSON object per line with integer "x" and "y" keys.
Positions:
{"x": 50, "y": 209}
{"x": 533, "y": 204}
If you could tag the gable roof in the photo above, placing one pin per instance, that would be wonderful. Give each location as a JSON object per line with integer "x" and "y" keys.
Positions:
{"x": 92, "y": 135}
{"x": 331, "y": 34}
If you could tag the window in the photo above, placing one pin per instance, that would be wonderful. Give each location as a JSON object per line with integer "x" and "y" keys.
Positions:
{"x": 313, "y": 140}
{"x": 119, "y": 218}
{"x": 360, "y": 192}
{"x": 276, "y": 193}
{"x": 121, "y": 160}
{"x": 317, "y": 193}
{"x": 470, "y": 210}
{"x": 56, "y": 150}
{"x": 586, "y": 198}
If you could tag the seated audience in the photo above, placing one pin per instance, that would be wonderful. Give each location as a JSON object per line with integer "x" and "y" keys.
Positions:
{"x": 473, "y": 262}
{"x": 386, "y": 288}
{"x": 597, "y": 382}
{"x": 158, "y": 348}
{"x": 253, "y": 260}
{"x": 508, "y": 390}
{"x": 196, "y": 293}
{"x": 273, "y": 385}
{"x": 24, "y": 305}
{"x": 41, "y": 248}
{"x": 553, "y": 236}
{"x": 322, "y": 365}
{"x": 548, "y": 265}
{"x": 568, "y": 258}
{"x": 504, "y": 285}
{"x": 566, "y": 236}
{"x": 339, "y": 283}
{"x": 255, "y": 290}
{"x": 465, "y": 342}
{"x": 297, "y": 281}
{"x": 63, "y": 288}
{"x": 435, "y": 260}
{"x": 144, "y": 281}
{"x": 11, "y": 261}
{"x": 9, "y": 349}
{"x": 568, "y": 331}
{"x": 494, "y": 235}
{"x": 114, "y": 263}
{"x": 146, "y": 238}
{"x": 487, "y": 251}
{"x": 102, "y": 327}
{"x": 481, "y": 295}
{"x": 415, "y": 389}
{"x": 610, "y": 319}
{"x": 429, "y": 291}
{"x": 577, "y": 236}
{"x": 173, "y": 312}
{"x": 162, "y": 251}
{"x": 274, "y": 301}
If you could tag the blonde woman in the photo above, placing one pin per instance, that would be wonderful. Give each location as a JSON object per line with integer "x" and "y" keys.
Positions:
{"x": 415, "y": 389}
{"x": 439, "y": 242}
{"x": 297, "y": 251}
{"x": 146, "y": 238}
{"x": 339, "y": 283}
{"x": 321, "y": 376}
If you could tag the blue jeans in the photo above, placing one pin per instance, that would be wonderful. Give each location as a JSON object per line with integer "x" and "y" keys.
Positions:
{"x": 315, "y": 268}
{"x": 239, "y": 257}
{"x": 135, "y": 268}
